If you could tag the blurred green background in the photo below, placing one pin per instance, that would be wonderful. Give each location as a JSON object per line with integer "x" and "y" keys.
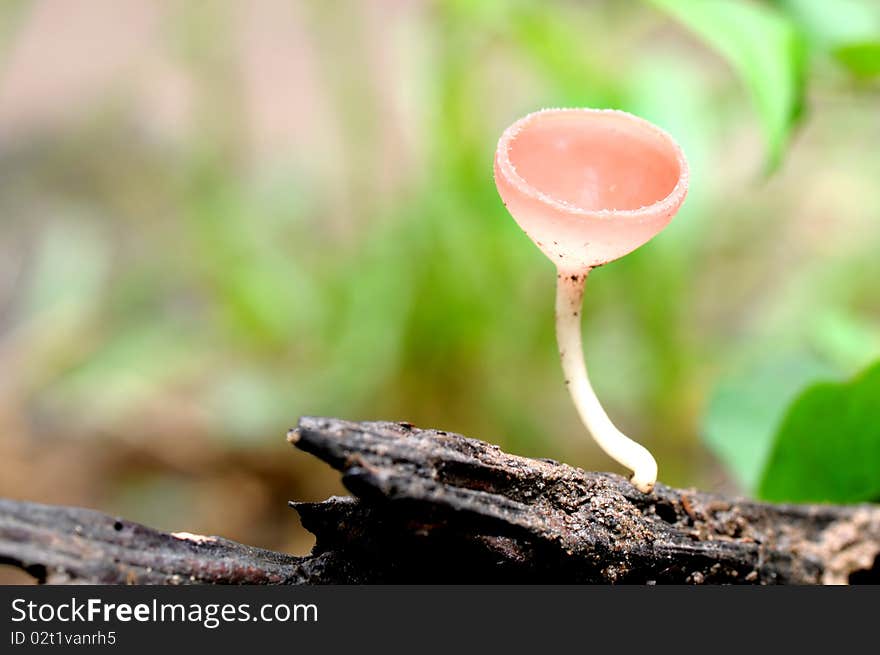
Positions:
{"x": 217, "y": 217}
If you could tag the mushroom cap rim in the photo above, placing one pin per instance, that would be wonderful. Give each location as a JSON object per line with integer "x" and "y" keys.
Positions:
{"x": 668, "y": 203}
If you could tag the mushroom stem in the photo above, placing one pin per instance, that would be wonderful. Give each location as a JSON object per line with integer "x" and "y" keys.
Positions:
{"x": 634, "y": 456}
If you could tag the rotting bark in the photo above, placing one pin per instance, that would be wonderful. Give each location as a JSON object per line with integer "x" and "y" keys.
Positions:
{"x": 65, "y": 545}
{"x": 431, "y": 506}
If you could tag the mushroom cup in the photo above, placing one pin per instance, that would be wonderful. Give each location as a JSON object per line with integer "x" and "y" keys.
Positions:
{"x": 589, "y": 185}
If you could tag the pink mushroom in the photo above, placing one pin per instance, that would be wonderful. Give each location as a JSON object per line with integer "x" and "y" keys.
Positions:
{"x": 589, "y": 186}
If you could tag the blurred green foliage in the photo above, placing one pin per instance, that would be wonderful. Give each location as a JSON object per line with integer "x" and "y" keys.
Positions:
{"x": 191, "y": 286}
{"x": 764, "y": 47}
{"x": 828, "y": 445}
{"x": 824, "y": 445}
{"x": 748, "y": 406}
{"x": 862, "y": 59}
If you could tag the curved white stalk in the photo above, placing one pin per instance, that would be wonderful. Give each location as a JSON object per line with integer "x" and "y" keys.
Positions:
{"x": 634, "y": 456}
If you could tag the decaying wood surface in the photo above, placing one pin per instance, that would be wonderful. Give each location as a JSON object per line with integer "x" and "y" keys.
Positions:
{"x": 430, "y": 506}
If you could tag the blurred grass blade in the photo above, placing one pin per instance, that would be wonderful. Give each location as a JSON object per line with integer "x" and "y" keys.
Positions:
{"x": 766, "y": 51}
{"x": 555, "y": 45}
{"x": 828, "y": 446}
{"x": 860, "y": 59}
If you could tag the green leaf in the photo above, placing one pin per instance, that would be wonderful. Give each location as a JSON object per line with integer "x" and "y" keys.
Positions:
{"x": 747, "y": 408}
{"x": 860, "y": 59}
{"x": 765, "y": 49}
{"x": 828, "y": 447}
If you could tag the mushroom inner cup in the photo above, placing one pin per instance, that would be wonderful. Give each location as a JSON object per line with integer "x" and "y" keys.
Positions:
{"x": 595, "y": 161}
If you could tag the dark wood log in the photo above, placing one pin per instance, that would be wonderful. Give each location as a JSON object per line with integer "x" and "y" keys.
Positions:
{"x": 435, "y": 506}
{"x": 431, "y": 506}
{"x": 61, "y": 545}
